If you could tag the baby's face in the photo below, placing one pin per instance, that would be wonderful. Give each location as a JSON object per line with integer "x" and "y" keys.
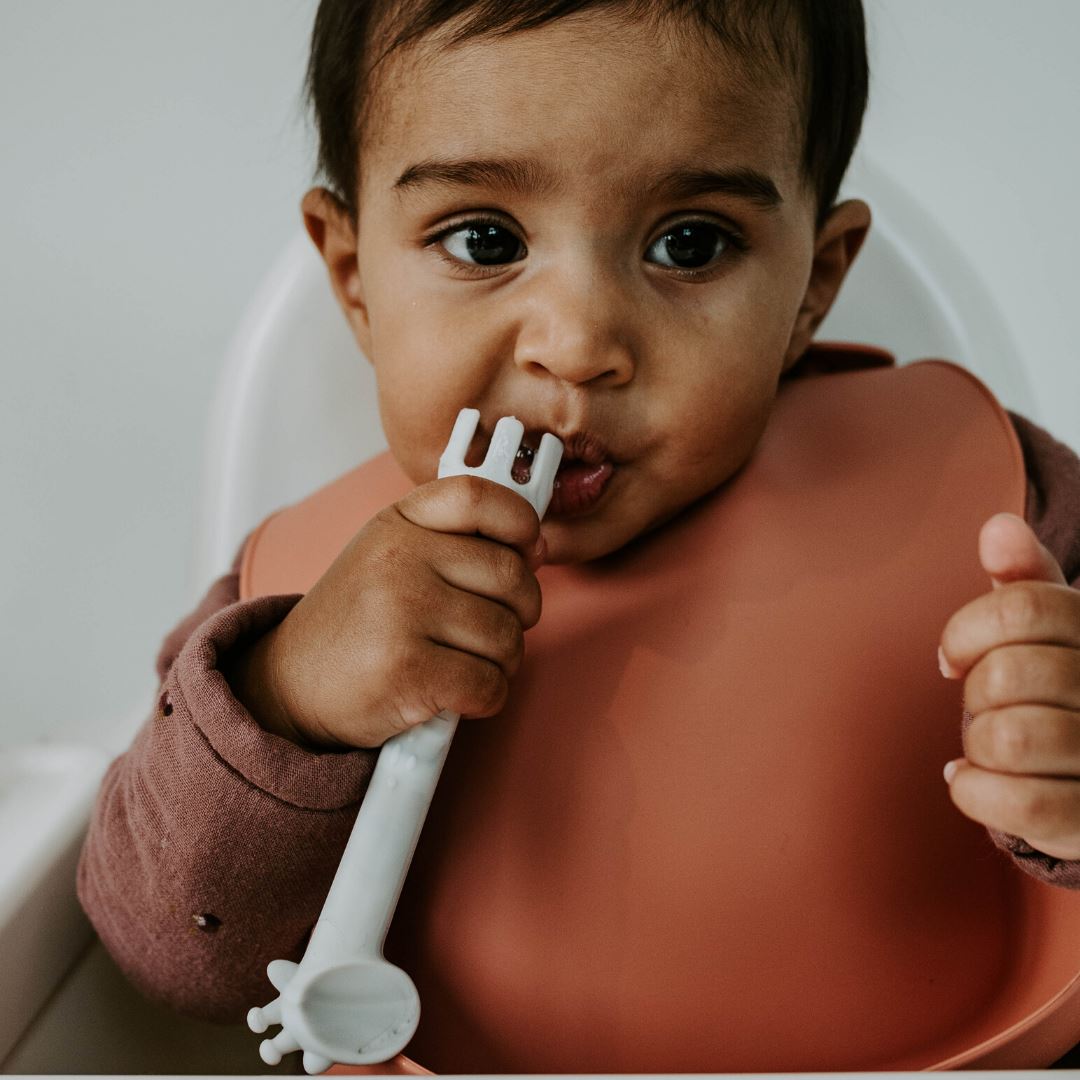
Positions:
{"x": 599, "y": 229}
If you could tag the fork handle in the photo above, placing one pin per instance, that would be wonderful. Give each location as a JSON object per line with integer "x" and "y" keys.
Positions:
{"x": 360, "y": 904}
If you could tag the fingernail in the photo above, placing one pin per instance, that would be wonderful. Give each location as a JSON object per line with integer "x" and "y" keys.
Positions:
{"x": 944, "y": 666}
{"x": 540, "y": 551}
{"x": 949, "y": 771}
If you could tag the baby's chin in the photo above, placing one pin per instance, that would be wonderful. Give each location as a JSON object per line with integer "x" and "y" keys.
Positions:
{"x": 584, "y": 539}
{"x": 581, "y": 540}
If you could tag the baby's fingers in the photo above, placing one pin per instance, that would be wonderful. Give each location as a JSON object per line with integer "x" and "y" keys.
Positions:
{"x": 471, "y": 505}
{"x": 481, "y": 627}
{"x": 1043, "y": 811}
{"x": 495, "y": 571}
{"x": 1025, "y": 739}
{"x": 1024, "y": 675}
{"x": 1020, "y": 612}
{"x": 461, "y": 683}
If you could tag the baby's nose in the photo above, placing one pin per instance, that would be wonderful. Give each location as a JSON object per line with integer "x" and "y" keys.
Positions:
{"x": 578, "y": 331}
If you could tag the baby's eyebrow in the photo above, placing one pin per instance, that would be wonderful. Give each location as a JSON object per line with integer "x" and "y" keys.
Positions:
{"x": 742, "y": 183}
{"x": 520, "y": 175}
{"x": 525, "y": 176}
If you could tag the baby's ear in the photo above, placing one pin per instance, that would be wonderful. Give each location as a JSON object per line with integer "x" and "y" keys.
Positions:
{"x": 333, "y": 231}
{"x": 835, "y": 246}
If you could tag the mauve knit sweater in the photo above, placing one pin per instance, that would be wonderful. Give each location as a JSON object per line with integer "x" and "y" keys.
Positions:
{"x": 213, "y": 843}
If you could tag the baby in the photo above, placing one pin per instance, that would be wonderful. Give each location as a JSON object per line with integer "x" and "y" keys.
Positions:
{"x": 617, "y": 222}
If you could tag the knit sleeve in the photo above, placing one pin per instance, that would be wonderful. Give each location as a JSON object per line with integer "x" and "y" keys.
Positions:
{"x": 1052, "y": 509}
{"x": 213, "y": 843}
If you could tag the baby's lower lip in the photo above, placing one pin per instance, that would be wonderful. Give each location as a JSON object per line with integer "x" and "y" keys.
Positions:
{"x": 578, "y": 487}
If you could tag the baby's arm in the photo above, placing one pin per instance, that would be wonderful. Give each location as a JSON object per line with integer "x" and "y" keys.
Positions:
{"x": 213, "y": 843}
{"x": 216, "y": 836}
{"x": 1018, "y": 649}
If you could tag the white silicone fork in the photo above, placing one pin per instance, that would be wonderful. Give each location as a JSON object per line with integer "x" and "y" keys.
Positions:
{"x": 344, "y": 1002}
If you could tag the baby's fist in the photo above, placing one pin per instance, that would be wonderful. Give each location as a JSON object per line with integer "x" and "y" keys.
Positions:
{"x": 1017, "y": 648}
{"x": 423, "y": 611}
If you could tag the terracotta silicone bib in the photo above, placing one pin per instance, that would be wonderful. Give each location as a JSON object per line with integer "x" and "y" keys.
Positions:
{"x": 709, "y": 833}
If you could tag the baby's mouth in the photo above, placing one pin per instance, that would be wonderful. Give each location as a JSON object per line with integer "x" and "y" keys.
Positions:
{"x": 583, "y": 473}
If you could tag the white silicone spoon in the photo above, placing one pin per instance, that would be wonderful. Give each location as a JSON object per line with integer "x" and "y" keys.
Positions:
{"x": 344, "y": 1002}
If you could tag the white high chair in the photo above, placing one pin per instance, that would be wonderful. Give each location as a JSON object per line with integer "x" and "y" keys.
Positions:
{"x": 296, "y": 404}
{"x": 296, "y": 407}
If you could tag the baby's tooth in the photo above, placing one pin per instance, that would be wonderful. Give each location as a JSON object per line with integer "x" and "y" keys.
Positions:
{"x": 452, "y": 460}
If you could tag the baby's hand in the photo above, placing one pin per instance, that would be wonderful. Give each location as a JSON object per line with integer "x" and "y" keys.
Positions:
{"x": 1018, "y": 650}
{"x": 425, "y": 609}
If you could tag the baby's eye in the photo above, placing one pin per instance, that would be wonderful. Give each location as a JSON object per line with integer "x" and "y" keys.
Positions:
{"x": 689, "y": 245}
{"x": 482, "y": 243}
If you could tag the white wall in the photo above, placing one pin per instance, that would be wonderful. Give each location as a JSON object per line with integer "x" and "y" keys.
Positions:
{"x": 151, "y": 159}
{"x": 974, "y": 109}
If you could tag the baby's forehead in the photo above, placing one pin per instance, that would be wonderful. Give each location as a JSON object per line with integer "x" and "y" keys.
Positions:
{"x": 615, "y": 95}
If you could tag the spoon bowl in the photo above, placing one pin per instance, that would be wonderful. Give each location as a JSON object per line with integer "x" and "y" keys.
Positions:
{"x": 357, "y": 1013}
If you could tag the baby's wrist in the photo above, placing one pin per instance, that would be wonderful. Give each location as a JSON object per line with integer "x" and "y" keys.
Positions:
{"x": 249, "y": 671}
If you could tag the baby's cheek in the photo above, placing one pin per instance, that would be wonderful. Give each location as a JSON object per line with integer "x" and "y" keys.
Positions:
{"x": 722, "y": 427}
{"x": 413, "y": 440}
{"x": 418, "y": 402}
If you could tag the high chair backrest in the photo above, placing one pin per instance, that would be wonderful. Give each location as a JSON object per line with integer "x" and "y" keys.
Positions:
{"x": 296, "y": 404}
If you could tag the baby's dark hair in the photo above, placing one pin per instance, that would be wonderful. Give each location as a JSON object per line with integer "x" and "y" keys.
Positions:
{"x": 820, "y": 44}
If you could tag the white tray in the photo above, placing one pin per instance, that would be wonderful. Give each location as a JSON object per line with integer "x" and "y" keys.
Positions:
{"x": 46, "y": 790}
